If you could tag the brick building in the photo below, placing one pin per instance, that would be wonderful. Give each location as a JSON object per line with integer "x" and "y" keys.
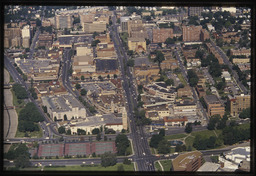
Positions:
{"x": 160, "y": 35}
{"x": 190, "y": 161}
{"x": 214, "y": 105}
{"x": 191, "y": 33}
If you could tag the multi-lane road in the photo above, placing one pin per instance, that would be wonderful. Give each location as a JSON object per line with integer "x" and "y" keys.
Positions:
{"x": 142, "y": 154}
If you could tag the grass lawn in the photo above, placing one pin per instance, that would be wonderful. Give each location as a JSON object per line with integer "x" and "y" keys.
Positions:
{"x": 157, "y": 166}
{"x": 34, "y": 134}
{"x": 152, "y": 151}
{"x": 129, "y": 149}
{"x": 189, "y": 141}
{"x": 18, "y": 106}
{"x": 206, "y": 133}
{"x": 182, "y": 80}
{"x": 244, "y": 126}
{"x": 91, "y": 168}
{"x": 176, "y": 136}
{"x": 166, "y": 164}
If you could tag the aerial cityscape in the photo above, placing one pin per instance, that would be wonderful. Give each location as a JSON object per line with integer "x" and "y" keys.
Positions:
{"x": 127, "y": 88}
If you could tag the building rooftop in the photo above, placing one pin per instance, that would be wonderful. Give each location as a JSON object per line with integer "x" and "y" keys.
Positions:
{"x": 209, "y": 167}
{"x": 181, "y": 161}
{"x": 106, "y": 64}
{"x": 211, "y": 99}
{"x": 97, "y": 120}
{"x": 62, "y": 103}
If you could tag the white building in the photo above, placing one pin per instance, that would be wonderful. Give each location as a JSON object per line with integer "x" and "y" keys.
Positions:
{"x": 184, "y": 109}
{"x": 229, "y": 9}
{"x": 238, "y": 154}
{"x": 226, "y": 75}
{"x": 209, "y": 167}
{"x": 87, "y": 124}
{"x": 61, "y": 105}
{"x": 25, "y": 32}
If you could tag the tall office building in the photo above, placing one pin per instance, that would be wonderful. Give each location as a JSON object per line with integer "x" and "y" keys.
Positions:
{"x": 238, "y": 103}
{"x": 25, "y": 32}
{"x": 63, "y": 21}
{"x": 195, "y": 11}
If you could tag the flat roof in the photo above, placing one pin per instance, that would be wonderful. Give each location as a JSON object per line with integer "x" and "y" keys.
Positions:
{"x": 181, "y": 161}
{"x": 209, "y": 167}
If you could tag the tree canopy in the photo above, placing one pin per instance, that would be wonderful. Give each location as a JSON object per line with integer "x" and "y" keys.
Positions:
{"x": 108, "y": 159}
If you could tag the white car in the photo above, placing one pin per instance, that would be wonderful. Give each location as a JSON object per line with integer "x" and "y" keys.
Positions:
{"x": 144, "y": 153}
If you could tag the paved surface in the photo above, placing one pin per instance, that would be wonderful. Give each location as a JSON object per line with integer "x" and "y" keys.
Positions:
{"x": 11, "y": 119}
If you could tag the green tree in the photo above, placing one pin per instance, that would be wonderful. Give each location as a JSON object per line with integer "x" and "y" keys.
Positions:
{"x": 115, "y": 76}
{"x": 108, "y": 159}
{"x": 65, "y": 117}
{"x": 82, "y": 77}
{"x": 61, "y": 129}
{"x": 55, "y": 119}
{"x": 127, "y": 161}
{"x": 83, "y": 92}
{"x": 130, "y": 63}
{"x": 245, "y": 113}
{"x": 155, "y": 140}
{"x": 22, "y": 161}
{"x": 96, "y": 131}
{"x": 169, "y": 41}
{"x": 130, "y": 52}
{"x": 98, "y": 137}
{"x": 159, "y": 57}
{"x": 162, "y": 132}
{"x": 163, "y": 147}
{"x": 68, "y": 132}
{"x": 78, "y": 86}
{"x": 122, "y": 143}
{"x": 188, "y": 128}
{"x": 169, "y": 82}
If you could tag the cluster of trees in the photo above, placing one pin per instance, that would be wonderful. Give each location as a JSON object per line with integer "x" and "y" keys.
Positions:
{"x": 234, "y": 134}
{"x": 192, "y": 78}
{"x": 242, "y": 75}
{"x": 159, "y": 57}
{"x": 216, "y": 122}
{"x": 20, "y": 155}
{"x": 19, "y": 91}
{"x": 203, "y": 143}
{"x": 193, "y": 20}
{"x": 140, "y": 117}
{"x": 188, "y": 128}
{"x": 95, "y": 42}
{"x": 46, "y": 29}
{"x": 166, "y": 25}
{"x": 246, "y": 113}
{"x": 181, "y": 148}
{"x": 130, "y": 63}
{"x": 122, "y": 144}
{"x": 108, "y": 159}
{"x": 158, "y": 142}
{"x": 28, "y": 116}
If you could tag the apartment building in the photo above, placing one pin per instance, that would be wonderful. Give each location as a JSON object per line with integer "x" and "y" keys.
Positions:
{"x": 83, "y": 64}
{"x": 161, "y": 34}
{"x": 95, "y": 26}
{"x": 175, "y": 121}
{"x": 245, "y": 52}
{"x": 134, "y": 25}
{"x": 184, "y": 92}
{"x": 191, "y": 33}
{"x": 214, "y": 105}
{"x": 63, "y": 21}
{"x": 195, "y": 11}
{"x": 238, "y": 103}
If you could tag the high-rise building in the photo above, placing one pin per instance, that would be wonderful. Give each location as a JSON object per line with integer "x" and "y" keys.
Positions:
{"x": 25, "y": 32}
{"x": 160, "y": 35}
{"x": 96, "y": 26}
{"x": 195, "y": 11}
{"x": 204, "y": 35}
{"x": 63, "y": 21}
{"x": 134, "y": 25}
{"x": 26, "y": 42}
{"x": 238, "y": 103}
{"x": 191, "y": 33}
{"x": 124, "y": 23}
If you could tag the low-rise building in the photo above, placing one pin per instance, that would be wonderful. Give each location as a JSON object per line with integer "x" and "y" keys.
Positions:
{"x": 190, "y": 161}
{"x": 214, "y": 105}
{"x": 161, "y": 90}
{"x": 89, "y": 123}
{"x": 175, "y": 121}
{"x": 226, "y": 76}
{"x": 245, "y": 52}
{"x": 184, "y": 108}
{"x": 185, "y": 92}
{"x": 137, "y": 44}
{"x": 162, "y": 111}
{"x": 95, "y": 26}
{"x": 238, "y": 154}
{"x": 61, "y": 105}
{"x": 209, "y": 167}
